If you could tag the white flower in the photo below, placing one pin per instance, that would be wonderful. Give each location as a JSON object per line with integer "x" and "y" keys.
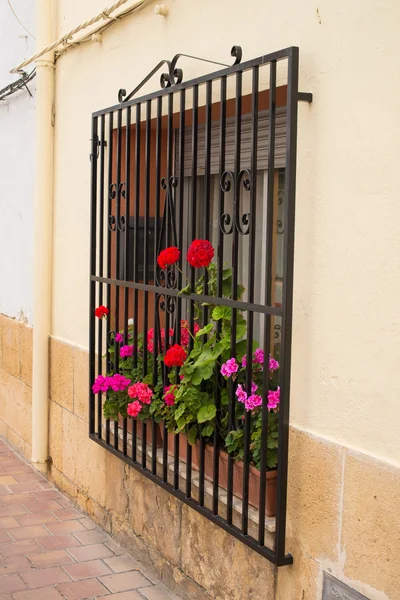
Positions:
{"x": 130, "y": 321}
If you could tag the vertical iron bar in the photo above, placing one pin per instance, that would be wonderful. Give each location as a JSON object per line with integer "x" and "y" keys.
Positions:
{"x": 195, "y": 123}
{"x": 101, "y": 273}
{"x": 235, "y": 260}
{"x": 117, "y": 257}
{"x": 268, "y": 297}
{"x": 180, "y": 245}
{"x": 250, "y": 288}
{"x": 93, "y": 221}
{"x": 221, "y": 203}
{"x": 206, "y": 233}
{"x": 135, "y": 263}
{"x": 109, "y": 213}
{"x": 156, "y": 366}
{"x": 126, "y": 247}
{"x": 287, "y": 300}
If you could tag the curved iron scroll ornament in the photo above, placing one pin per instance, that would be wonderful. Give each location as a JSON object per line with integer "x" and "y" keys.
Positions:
{"x": 167, "y": 277}
{"x": 241, "y": 222}
{"x": 174, "y": 75}
{"x": 119, "y": 220}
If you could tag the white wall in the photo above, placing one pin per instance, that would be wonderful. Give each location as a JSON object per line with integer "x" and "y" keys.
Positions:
{"x": 17, "y": 131}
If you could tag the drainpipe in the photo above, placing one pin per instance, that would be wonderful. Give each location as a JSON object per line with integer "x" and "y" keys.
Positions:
{"x": 42, "y": 235}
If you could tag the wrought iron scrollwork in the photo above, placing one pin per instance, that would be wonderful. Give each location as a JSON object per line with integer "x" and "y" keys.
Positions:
{"x": 118, "y": 221}
{"x": 241, "y": 222}
{"x": 174, "y": 75}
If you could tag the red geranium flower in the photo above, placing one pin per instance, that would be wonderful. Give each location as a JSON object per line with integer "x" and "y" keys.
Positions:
{"x": 168, "y": 257}
{"x": 175, "y": 356}
{"x": 200, "y": 253}
{"x": 101, "y": 311}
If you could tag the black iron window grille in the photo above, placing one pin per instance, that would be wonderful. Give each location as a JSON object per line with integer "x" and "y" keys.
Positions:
{"x": 213, "y": 159}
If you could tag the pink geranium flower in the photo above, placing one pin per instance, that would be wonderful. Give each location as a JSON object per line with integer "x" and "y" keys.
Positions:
{"x": 101, "y": 384}
{"x": 230, "y": 367}
{"x": 253, "y": 402}
{"x": 119, "y": 338}
{"x": 241, "y": 394}
{"x": 169, "y": 396}
{"x": 125, "y": 351}
{"x": 134, "y": 408}
{"x": 118, "y": 382}
{"x": 274, "y": 398}
{"x": 142, "y": 391}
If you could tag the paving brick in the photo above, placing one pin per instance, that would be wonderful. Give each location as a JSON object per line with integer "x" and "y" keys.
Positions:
{"x": 57, "y": 558}
{"x": 28, "y": 486}
{"x": 24, "y": 477}
{"x": 47, "y": 593}
{"x": 46, "y": 485}
{"x": 17, "y": 564}
{"x": 12, "y": 583}
{"x": 12, "y": 511}
{"x": 20, "y": 498}
{"x": 45, "y": 495}
{"x": 7, "y": 480}
{"x": 91, "y": 552}
{"x": 6, "y": 597}
{"x": 91, "y": 537}
{"x": 87, "y": 570}
{"x": 19, "y": 548}
{"x": 159, "y": 592}
{"x": 67, "y": 514}
{"x": 116, "y": 548}
{"x": 35, "y": 507}
{"x": 4, "y": 537}
{"x": 87, "y": 588}
{"x": 37, "y": 518}
{"x": 12, "y": 470}
{"x": 123, "y": 582}
{"x": 121, "y": 596}
{"x": 88, "y": 523}
{"x": 29, "y": 533}
{"x": 66, "y": 527}
{"x": 59, "y": 542}
{"x": 4, "y": 490}
{"x": 119, "y": 564}
{"x": 42, "y": 577}
{"x": 9, "y": 523}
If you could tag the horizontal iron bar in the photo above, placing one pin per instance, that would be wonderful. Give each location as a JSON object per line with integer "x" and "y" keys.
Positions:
{"x": 305, "y": 97}
{"x": 206, "y": 512}
{"x": 267, "y": 58}
{"x": 258, "y": 308}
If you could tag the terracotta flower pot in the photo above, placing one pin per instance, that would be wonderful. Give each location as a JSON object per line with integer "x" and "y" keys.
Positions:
{"x": 139, "y": 430}
{"x": 254, "y": 474}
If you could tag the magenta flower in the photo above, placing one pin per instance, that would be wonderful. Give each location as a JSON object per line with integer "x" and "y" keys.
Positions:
{"x": 119, "y": 383}
{"x": 125, "y": 351}
{"x": 259, "y": 356}
{"x": 169, "y": 396}
{"x": 274, "y": 398}
{"x": 119, "y": 338}
{"x": 101, "y": 384}
{"x": 241, "y": 394}
{"x": 229, "y": 367}
{"x": 252, "y": 402}
{"x": 273, "y": 364}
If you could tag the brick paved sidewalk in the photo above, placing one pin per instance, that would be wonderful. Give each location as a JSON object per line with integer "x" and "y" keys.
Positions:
{"x": 51, "y": 551}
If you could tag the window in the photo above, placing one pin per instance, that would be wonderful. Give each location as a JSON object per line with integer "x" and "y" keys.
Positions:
{"x": 190, "y": 369}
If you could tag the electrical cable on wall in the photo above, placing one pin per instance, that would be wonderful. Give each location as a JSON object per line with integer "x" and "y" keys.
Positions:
{"x": 19, "y": 20}
{"x": 22, "y": 82}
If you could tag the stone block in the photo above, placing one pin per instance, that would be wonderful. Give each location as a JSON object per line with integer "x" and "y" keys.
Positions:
{"x": 10, "y": 345}
{"x": 62, "y": 373}
{"x": 225, "y": 567}
{"x": 26, "y": 347}
{"x": 314, "y": 487}
{"x": 81, "y": 383}
{"x": 371, "y": 523}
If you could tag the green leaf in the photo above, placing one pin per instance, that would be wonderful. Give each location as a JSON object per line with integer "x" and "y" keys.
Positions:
{"x": 221, "y": 312}
{"x": 192, "y": 435}
{"x": 226, "y": 273}
{"x": 205, "y": 331}
{"x": 206, "y": 413}
{"x": 207, "y": 430}
{"x": 186, "y": 290}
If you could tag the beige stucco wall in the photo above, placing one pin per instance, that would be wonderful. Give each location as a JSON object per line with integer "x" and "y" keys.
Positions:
{"x": 347, "y": 273}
